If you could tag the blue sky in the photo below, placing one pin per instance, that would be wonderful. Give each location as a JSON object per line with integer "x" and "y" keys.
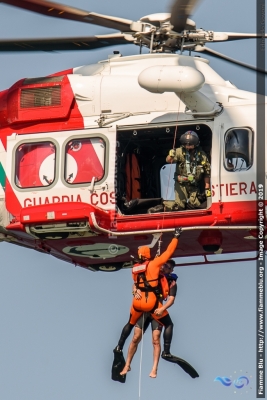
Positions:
{"x": 59, "y": 323}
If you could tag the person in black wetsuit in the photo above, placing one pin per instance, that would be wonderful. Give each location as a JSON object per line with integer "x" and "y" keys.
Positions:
{"x": 119, "y": 367}
{"x": 146, "y": 278}
{"x": 155, "y": 302}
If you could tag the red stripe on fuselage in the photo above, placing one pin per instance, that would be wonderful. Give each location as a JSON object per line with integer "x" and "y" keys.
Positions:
{"x": 73, "y": 121}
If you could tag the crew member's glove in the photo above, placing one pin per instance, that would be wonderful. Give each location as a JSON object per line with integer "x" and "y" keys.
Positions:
{"x": 172, "y": 153}
{"x": 201, "y": 197}
{"x": 177, "y": 232}
{"x": 207, "y": 192}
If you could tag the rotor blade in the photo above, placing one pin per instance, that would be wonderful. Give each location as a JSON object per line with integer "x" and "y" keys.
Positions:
{"x": 226, "y": 36}
{"x": 57, "y": 10}
{"x": 207, "y": 50}
{"x": 63, "y": 44}
{"x": 180, "y": 10}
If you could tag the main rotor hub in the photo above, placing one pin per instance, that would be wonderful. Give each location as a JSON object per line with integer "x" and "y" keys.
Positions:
{"x": 157, "y": 33}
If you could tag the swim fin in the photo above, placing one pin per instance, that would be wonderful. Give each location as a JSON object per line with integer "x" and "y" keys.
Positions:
{"x": 182, "y": 363}
{"x": 117, "y": 366}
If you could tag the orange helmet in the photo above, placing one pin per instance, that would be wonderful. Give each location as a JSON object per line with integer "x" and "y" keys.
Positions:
{"x": 144, "y": 252}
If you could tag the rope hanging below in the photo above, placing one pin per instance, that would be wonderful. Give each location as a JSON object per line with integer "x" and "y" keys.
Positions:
{"x": 141, "y": 355}
{"x": 168, "y": 185}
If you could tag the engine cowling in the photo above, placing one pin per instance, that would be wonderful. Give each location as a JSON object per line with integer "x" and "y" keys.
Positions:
{"x": 184, "y": 81}
{"x": 165, "y": 78}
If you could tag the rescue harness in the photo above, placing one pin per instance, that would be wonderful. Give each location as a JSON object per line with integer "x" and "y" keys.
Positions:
{"x": 190, "y": 170}
{"x": 162, "y": 288}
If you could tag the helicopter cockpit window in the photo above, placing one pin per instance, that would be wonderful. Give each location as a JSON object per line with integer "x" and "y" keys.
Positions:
{"x": 238, "y": 149}
{"x": 35, "y": 165}
{"x": 84, "y": 160}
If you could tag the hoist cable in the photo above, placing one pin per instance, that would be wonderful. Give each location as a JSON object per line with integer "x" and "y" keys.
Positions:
{"x": 168, "y": 184}
{"x": 141, "y": 355}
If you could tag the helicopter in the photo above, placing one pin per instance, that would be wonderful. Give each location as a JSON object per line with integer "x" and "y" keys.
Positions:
{"x": 67, "y": 144}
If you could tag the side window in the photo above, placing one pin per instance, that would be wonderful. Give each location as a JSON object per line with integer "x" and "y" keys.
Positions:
{"x": 84, "y": 160}
{"x": 238, "y": 149}
{"x": 35, "y": 165}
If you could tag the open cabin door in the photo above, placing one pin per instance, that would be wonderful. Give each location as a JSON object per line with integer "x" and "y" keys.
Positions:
{"x": 144, "y": 178}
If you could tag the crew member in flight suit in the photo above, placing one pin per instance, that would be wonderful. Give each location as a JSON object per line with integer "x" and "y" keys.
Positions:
{"x": 192, "y": 166}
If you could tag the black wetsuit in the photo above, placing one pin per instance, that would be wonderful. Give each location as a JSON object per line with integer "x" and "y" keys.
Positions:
{"x": 146, "y": 319}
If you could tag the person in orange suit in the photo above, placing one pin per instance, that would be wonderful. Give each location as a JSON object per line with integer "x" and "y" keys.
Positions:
{"x": 146, "y": 279}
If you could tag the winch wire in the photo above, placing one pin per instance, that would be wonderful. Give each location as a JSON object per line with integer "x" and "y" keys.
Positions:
{"x": 141, "y": 355}
{"x": 173, "y": 146}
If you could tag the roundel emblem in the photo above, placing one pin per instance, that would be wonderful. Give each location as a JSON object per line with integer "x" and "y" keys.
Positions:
{"x": 97, "y": 250}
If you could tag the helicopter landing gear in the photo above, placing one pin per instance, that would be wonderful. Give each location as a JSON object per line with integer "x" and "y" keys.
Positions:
{"x": 112, "y": 267}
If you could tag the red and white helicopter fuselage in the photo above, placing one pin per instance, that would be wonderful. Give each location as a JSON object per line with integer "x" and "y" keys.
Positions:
{"x": 65, "y": 143}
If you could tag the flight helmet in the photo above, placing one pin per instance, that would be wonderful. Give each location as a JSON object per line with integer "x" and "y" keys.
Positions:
{"x": 189, "y": 137}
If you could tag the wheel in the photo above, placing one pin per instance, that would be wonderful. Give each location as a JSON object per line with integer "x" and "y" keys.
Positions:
{"x": 112, "y": 267}
{"x": 53, "y": 235}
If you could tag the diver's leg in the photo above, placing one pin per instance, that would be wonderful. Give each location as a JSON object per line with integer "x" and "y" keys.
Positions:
{"x": 132, "y": 349}
{"x": 141, "y": 325}
{"x": 166, "y": 355}
{"x": 127, "y": 329}
{"x": 125, "y": 333}
{"x": 156, "y": 332}
{"x": 166, "y": 321}
{"x": 119, "y": 362}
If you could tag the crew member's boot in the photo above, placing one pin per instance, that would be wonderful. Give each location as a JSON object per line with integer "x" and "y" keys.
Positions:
{"x": 155, "y": 209}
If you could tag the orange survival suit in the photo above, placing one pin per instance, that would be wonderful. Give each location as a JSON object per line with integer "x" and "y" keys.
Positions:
{"x": 150, "y": 300}
{"x": 146, "y": 279}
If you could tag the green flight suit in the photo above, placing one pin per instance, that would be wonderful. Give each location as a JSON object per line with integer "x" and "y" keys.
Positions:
{"x": 191, "y": 168}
